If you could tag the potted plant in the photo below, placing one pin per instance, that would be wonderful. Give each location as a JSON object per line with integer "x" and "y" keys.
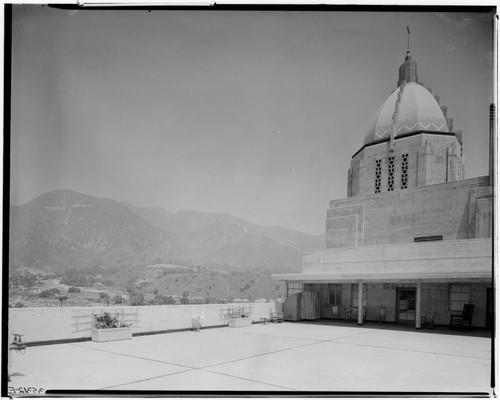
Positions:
{"x": 239, "y": 317}
{"x": 107, "y": 327}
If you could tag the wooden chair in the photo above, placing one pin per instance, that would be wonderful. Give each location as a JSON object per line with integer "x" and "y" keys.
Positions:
{"x": 463, "y": 320}
{"x": 347, "y": 314}
{"x": 381, "y": 314}
{"x": 277, "y": 317}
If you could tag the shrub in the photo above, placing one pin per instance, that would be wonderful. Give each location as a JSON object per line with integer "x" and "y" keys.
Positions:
{"x": 162, "y": 299}
{"x": 137, "y": 299}
{"x": 73, "y": 289}
{"x": 184, "y": 300}
{"x": 118, "y": 299}
{"x": 106, "y": 321}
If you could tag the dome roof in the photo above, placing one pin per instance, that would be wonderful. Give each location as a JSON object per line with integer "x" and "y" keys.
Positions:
{"x": 413, "y": 108}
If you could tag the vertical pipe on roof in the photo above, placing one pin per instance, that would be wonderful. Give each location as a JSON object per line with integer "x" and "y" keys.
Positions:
{"x": 492, "y": 143}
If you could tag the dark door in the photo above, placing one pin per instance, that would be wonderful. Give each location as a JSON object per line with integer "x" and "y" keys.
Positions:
{"x": 405, "y": 305}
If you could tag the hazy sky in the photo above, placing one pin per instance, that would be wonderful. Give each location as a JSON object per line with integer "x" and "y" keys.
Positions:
{"x": 254, "y": 113}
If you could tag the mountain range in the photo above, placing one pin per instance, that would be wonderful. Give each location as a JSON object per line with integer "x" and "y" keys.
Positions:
{"x": 64, "y": 229}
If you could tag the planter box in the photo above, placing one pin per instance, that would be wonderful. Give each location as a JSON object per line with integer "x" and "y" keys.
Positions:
{"x": 107, "y": 335}
{"x": 237, "y": 322}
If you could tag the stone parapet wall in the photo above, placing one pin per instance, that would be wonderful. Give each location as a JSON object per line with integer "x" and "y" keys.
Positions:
{"x": 75, "y": 323}
{"x": 442, "y": 259}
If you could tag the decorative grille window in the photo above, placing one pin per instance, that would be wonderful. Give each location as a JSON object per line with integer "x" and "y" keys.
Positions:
{"x": 459, "y": 295}
{"x": 378, "y": 175}
{"x": 404, "y": 172}
{"x": 390, "y": 182}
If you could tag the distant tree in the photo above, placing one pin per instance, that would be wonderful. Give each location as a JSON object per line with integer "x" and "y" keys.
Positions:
{"x": 184, "y": 300}
{"x": 74, "y": 289}
{"x": 136, "y": 299}
{"x": 54, "y": 291}
{"x": 27, "y": 279}
{"x": 155, "y": 291}
{"x": 185, "y": 294}
{"x": 104, "y": 297}
{"x": 62, "y": 298}
{"x": 118, "y": 299}
{"x": 210, "y": 300}
{"x": 162, "y": 299}
{"x": 45, "y": 294}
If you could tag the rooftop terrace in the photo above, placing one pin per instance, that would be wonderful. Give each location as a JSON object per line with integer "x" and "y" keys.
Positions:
{"x": 291, "y": 356}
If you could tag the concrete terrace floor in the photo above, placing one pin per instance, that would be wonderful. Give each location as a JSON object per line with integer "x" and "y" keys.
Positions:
{"x": 292, "y": 356}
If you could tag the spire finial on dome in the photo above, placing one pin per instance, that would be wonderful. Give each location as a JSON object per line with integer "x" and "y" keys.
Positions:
{"x": 408, "y": 56}
{"x": 408, "y": 70}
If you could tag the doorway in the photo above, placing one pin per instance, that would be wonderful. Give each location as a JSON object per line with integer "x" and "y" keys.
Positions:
{"x": 405, "y": 305}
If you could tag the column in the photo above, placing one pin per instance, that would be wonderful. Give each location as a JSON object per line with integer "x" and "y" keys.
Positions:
{"x": 360, "y": 303}
{"x": 418, "y": 312}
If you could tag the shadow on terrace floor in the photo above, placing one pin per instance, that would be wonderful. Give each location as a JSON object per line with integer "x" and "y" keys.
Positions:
{"x": 440, "y": 329}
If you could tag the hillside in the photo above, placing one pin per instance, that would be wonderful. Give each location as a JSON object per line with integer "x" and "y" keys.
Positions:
{"x": 64, "y": 229}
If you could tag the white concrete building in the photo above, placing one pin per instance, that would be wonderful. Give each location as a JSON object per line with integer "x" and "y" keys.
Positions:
{"x": 413, "y": 237}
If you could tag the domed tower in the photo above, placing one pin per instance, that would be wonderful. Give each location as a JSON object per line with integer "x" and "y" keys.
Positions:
{"x": 409, "y": 143}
